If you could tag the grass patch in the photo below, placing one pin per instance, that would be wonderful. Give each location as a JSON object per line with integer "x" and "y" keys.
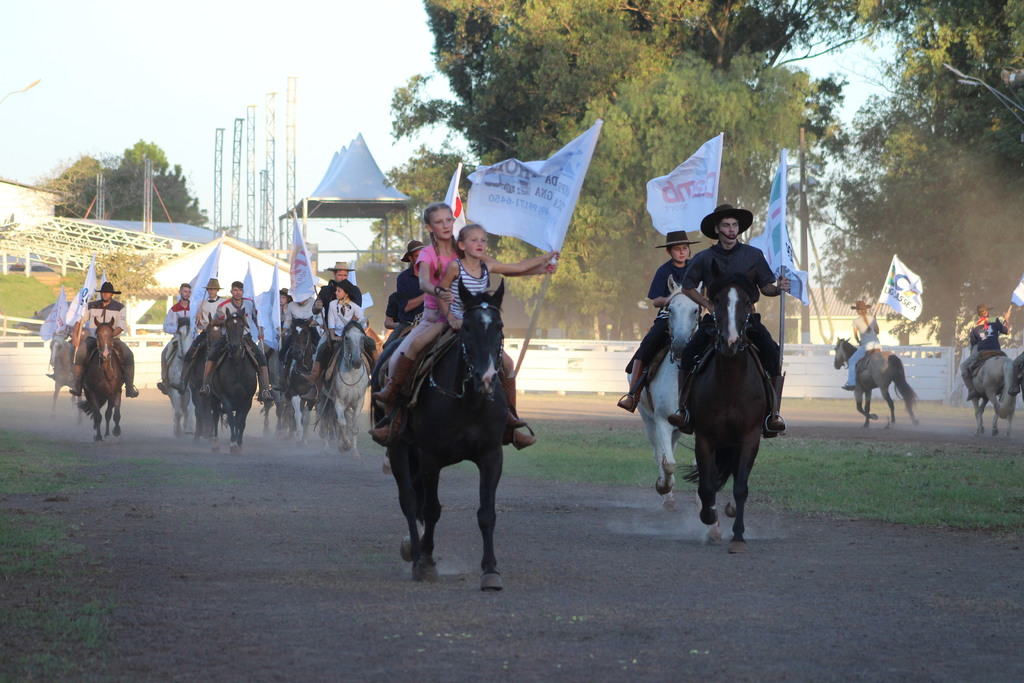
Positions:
{"x": 22, "y": 296}
{"x": 934, "y": 484}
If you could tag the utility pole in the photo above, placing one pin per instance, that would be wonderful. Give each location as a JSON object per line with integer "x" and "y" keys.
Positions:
{"x": 805, "y": 312}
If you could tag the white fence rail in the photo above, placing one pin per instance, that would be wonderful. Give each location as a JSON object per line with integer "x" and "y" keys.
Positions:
{"x": 551, "y": 365}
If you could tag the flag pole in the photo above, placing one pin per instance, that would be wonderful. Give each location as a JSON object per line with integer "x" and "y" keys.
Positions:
{"x": 533, "y": 322}
{"x": 782, "y": 319}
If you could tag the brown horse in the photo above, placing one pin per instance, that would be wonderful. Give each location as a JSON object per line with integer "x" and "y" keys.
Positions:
{"x": 727, "y": 404}
{"x": 102, "y": 380}
{"x": 879, "y": 371}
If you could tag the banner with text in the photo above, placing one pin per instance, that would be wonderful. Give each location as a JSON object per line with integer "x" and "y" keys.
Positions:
{"x": 533, "y": 200}
{"x": 81, "y": 301}
{"x": 679, "y": 200}
{"x": 902, "y": 290}
{"x": 54, "y": 324}
{"x": 774, "y": 241}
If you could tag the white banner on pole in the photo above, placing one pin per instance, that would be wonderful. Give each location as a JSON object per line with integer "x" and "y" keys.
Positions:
{"x": 453, "y": 200}
{"x": 302, "y": 276}
{"x": 533, "y": 200}
{"x": 206, "y": 272}
{"x": 54, "y": 323}
{"x": 774, "y": 241}
{"x": 84, "y": 296}
{"x": 268, "y": 304}
{"x": 679, "y": 200}
{"x": 1018, "y": 294}
{"x": 902, "y": 290}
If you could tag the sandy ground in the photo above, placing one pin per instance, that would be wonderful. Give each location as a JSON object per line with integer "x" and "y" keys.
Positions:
{"x": 283, "y": 564}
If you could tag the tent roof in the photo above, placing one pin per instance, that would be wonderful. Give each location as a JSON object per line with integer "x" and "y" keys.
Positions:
{"x": 353, "y": 187}
{"x": 174, "y": 231}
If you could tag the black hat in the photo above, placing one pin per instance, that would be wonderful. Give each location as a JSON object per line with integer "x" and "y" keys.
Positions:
{"x": 107, "y": 287}
{"x": 710, "y": 222}
{"x": 676, "y": 237}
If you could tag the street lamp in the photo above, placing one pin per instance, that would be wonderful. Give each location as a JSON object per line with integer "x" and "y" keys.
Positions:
{"x": 15, "y": 92}
{"x": 1010, "y": 103}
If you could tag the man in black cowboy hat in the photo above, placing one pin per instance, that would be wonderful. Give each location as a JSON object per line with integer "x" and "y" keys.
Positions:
{"x": 104, "y": 310}
{"x": 725, "y": 224}
{"x": 677, "y": 245}
{"x": 984, "y": 336}
{"x": 341, "y": 270}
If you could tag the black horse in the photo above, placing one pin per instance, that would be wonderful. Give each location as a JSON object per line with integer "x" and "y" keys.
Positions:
{"x": 459, "y": 415}
{"x": 728, "y": 403}
{"x": 299, "y": 362}
{"x": 102, "y": 380}
{"x": 234, "y": 379}
{"x": 207, "y": 408}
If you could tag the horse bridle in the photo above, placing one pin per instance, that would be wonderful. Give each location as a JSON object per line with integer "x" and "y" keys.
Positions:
{"x": 743, "y": 329}
{"x": 464, "y": 359}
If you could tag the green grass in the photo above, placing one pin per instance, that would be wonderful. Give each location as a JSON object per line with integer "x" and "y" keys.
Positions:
{"x": 939, "y": 485}
{"x": 22, "y": 296}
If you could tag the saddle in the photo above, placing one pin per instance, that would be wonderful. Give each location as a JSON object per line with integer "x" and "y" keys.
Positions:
{"x": 862, "y": 364}
{"x": 652, "y": 371}
{"x": 427, "y": 360}
{"x": 981, "y": 358}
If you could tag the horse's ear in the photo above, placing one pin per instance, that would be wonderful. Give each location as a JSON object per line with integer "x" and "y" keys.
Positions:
{"x": 465, "y": 296}
{"x": 499, "y": 294}
{"x": 673, "y": 287}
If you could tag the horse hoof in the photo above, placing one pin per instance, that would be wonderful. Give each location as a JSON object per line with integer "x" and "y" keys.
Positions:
{"x": 669, "y": 503}
{"x": 177, "y": 432}
{"x": 491, "y": 582}
{"x": 97, "y": 438}
{"x": 872, "y": 416}
{"x": 714, "y": 534}
{"x": 995, "y": 432}
{"x": 737, "y": 547}
{"x": 235, "y": 449}
{"x": 662, "y": 486}
{"x": 422, "y": 571}
{"x": 730, "y": 509}
{"x": 406, "y": 549}
{"x": 708, "y": 516}
{"x": 117, "y": 431}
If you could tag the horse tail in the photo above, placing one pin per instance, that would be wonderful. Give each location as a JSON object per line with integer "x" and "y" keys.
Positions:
{"x": 1007, "y": 401}
{"x": 87, "y": 408}
{"x": 726, "y": 460}
{"x": 899, "y": 378}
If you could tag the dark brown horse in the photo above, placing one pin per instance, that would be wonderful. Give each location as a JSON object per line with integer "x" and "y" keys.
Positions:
{"x": 207, "y": 408}
{"x": 234, "y": 379}
{"x": 459, "y": 416}
{"x": 102, "y": 380}
{"x": 728, "y": 405}
{"x": 881, "y": 369}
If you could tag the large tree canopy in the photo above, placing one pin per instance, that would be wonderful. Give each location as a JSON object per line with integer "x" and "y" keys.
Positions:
{"x": 935, "y": 170}
{"x": 665, "y": 76}
{"x": 124, "y": 187}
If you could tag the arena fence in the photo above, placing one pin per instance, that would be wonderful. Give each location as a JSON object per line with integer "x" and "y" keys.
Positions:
{"x": 551, "y": 365}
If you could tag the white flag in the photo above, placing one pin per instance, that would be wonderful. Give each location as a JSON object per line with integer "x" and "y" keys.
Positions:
{"x": 453, "y": 200}
{"x": 54, "y": 323}
{"x": 81, "y": 301}
{"x": 679, "y": 200}
{"x": 533, "y": 200}
{"x": 303, "y": 278}
{"x": 249, "y": 292}
{"x": 774, "y": 241}
{"x": 367, "y": 298}
{"x": 269, "y": 306}
{"x": 208, "y": 270}
{"x": 1018, "y": 294}
{"x": 902, "y": 290}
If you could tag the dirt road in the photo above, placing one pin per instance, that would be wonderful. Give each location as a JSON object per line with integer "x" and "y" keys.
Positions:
{"x": 283, "y": 564}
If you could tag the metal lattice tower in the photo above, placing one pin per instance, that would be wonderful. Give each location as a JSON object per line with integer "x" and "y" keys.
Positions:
{"x": 218, "y": 177}
{"x": 264, "y": 231}
{"x": 236, "y": 176}
{"x": 147, "y": 197}
{"x": 251, "y": 229}
{"x": 101, "y": 195}
{"x": 289, "y": 180}
{"x": 269, "y": 237}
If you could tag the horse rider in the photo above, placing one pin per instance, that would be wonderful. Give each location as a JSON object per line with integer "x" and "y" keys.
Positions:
{"x": 179, "y": 311}
{"x": 341, "y": 311}
{"x": 305, "y": 312}
{"x": 984, "y": 336}
{"x": 208, "y": 310}
{"x": 284, "y": 298}
{"x": 341, "y": 270}
{"x": 865, "y": 333}
{"x": 725, "y": 224}
{"x": 677, "y": 246}
{"x": 103, "y": 310}
{"x": 238, "y": 305}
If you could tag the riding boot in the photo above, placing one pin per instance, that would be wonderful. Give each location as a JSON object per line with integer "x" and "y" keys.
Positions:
{"x": 207, "y": 371}
{"x": 262, "y": 374}
{"x": 968, "y": 377}
{"x": 76, "y": 383}
{"x": 774, "y": 424}
{"x": 129, "y": 378}
{"x": 387, "y": 431}
{"x": 313, "y": 378}
{"x": 681, "y": 419}
{"x": 518, "y": 439}
{"x": 636, "y": 382}
{"x": 508, "y": 385}
{"x": 388, "y": 396}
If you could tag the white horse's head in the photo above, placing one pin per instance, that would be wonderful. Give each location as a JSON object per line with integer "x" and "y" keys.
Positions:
{"x": 683, "y": 316}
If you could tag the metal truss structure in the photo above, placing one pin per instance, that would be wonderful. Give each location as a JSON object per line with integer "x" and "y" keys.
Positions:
{"x": 64, "y": 243}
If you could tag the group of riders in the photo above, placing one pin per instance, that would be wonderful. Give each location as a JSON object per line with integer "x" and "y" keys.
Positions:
{"x": 426, "y": 303}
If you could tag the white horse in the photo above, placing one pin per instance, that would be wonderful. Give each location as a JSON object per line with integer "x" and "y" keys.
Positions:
{"x": 347, "y": 390}
{"x": 62, "y": 358}
{"x": 661, "y": 397}
{"x": 993, "y": 381}
{"x": 177, "y": 386}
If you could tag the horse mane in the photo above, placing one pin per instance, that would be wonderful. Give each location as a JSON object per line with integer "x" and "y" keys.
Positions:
{"x": 471, "y": 301}
{"x": 350, "y": 325}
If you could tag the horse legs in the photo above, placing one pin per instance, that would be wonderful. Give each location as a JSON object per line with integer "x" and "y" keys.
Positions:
{"x": 858, "y": 395}
{"x": 979, "y": 411}
{"x": 490, "y": 473}
{"x": 747, "y": 454}
{"x": 408, "y": 501}
{"x": 706, "y": 480}
{"x": 425, "y": 569}
{"x": 117, "y": 415}
{"x": 884, "y": 391}
{"x": 663, "y": 439}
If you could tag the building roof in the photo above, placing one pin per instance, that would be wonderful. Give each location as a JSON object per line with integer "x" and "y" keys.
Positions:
{"x": 174, "y": 231}
{"x": 27, "y": 187}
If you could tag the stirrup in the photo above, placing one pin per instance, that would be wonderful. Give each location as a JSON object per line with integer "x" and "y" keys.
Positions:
{"x": 681, "y": 421}
{"x": 162, "y": 387}
{"x": 204, "y": 390}
{"x": 628, "y": 403}
{"x": 769, "y": 433}
{"x": 131, "y": 391}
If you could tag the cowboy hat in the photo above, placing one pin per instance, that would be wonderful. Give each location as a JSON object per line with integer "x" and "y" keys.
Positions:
{"x": 212, "y": 284}
{"x": 283, "y": 291}
{"x": 412, "y": 248}
{"x": 107, "y": 287}
{"x": 676, "y": 237}
{"x": 859, "y": 305}
{"x": 983, "y": 308}
{"x": 710, "y": 222}
{"x": 341, "y": 265}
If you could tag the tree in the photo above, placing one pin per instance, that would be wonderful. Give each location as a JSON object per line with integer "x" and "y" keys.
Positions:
{"x": 934, "y": 173}
{"x": 130, "y": 271}
{"x": 124, "y": 187}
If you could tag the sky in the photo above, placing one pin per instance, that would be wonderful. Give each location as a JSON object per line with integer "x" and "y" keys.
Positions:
{"x": 117, "y": 71}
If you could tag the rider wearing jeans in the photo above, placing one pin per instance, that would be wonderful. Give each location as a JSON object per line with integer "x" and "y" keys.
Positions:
{"x": 677, "y": 245}
{"x": 237, "y": 305}
{"x": 104, "y": 310}
{"x": 865, "y": 331}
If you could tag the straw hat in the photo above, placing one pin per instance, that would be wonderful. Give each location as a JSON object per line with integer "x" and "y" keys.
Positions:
{"x": 676, "y": 237}
{"x": 412, "y": 248}
{"x": 341, "y": 265}
{"x": 213, "y": 284}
